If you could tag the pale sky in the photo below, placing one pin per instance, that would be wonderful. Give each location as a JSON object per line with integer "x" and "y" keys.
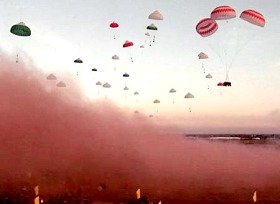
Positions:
{"x": 65, "y": 30}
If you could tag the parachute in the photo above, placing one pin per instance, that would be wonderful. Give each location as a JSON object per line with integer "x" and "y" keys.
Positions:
{"x": 115, "y": 58}
{"x": 156, "y": 101}
{"x": 208, "y": 76}
{"x": 125, "y": 89}
{"x": 106, "y": 85}
{"x": 125, "y": 75}
{"x": 94, "y": 70}
{"x": 223, "y": 13}
{"x": 61, "y": 84}
{"x": 114, "y": 25}
{"x": 51, "y": 77}
{"x": 172, "y": 91}
{"x": 136, "y": 94}
{"x": 152, "y": 28}
{"x": 189, "y": 96}
{"x": 156, "y": 15}
{"x": 98, "y": 84}
{"x": 206, "y": 27}
{"x": 253, "y": 17}
{"x": 79, "y": 61}
{"x": 202, "y": 56}
{"x": 128, "y": 44}
{"x": 20, "y": 29}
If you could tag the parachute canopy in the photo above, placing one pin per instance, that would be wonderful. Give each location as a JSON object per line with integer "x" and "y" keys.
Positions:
{"x": 142, "y": 46}
{"x": 156, "y": 101}
{"x": 61, "y": 84}
{"x": 20, "y": 29}
{"x": 202, "y": 55}
{"x": 125, "y": 75}
{"x": 223, "y": 13}
{"x": 206, "y": 27}
{"x": 125, "y": 88}
{"x": 106, "y": 85}
{"x": 156, "y": 15}
{"x": 189, "y": 95}
{"x": 152, "y": 27}
{"x": 253, "y": 17}
{"x": 98, "y": 83}
{"x": 114, "y": 25}
{"x": 78, "y": 60}
{"x": 115, "y": 57}
{"x": 51, "y": 77}
{"x": 127, "y": 44}
{"x": 147, "y": 34}
{"x": 172, "y": 91}
{"x": 209, "y": 76}
{"x": 136, "y": 93}
{"x": 94, "y": 69}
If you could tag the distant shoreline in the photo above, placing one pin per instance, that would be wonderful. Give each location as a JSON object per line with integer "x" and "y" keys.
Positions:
{"x": 235, "y": 136}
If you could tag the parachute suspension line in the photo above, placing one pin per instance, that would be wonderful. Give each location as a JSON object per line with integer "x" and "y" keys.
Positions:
{"x": 203, "y": 68}
{"x": 223, "y": 60}
{"x": 154, "y": 38}
{"x": 227, "y": 78}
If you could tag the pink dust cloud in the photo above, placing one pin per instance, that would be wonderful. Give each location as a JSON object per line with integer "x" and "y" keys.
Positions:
{"x": 53, "y": 137}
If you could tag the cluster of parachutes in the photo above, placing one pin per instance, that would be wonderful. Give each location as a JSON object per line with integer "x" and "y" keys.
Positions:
{"x": 205, "y": 28}
{"x": 209, "y": 27}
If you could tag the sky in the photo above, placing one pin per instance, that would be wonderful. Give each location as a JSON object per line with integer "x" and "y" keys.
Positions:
{"x": 66, "y": 30}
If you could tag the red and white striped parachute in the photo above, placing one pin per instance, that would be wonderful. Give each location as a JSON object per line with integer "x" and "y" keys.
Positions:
{"x": 253, "y": 17}
{"x": 223, "y": 13}
{"x": 206, "y": 27}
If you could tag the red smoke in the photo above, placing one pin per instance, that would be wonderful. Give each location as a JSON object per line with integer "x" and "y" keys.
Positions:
{"x": 53, "y": 137}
